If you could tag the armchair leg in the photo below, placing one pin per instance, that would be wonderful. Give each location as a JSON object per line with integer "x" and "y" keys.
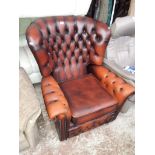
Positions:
{"x": 61, "y": 127}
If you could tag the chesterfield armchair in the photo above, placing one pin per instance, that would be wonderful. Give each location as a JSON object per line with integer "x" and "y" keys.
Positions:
{"x": 78, "y": 91}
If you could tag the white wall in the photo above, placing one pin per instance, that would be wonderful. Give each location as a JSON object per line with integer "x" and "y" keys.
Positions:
{"x": 35, "y": 8}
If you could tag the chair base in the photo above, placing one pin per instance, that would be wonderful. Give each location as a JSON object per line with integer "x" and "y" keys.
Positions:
{"x": 76, "y": 130}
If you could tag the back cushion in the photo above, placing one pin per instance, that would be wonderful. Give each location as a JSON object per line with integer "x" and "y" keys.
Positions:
{"x": 63, "y": 46}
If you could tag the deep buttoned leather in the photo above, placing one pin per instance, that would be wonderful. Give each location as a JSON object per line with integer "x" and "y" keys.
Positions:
{"x": 55, "y": 101}
{"x": 64, "y": 46}
{"x": 115, "y": 85}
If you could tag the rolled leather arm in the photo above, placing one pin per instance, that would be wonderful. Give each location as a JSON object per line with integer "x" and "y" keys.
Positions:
{"x": 130, "y": 78}
{"x": 55, "y": 101}
{"x": 115, "y": 85}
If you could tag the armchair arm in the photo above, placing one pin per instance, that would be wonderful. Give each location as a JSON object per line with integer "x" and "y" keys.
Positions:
{"x": 31, "y": 131}
{"x": 56, "y": 105}
{"x": 55, "y": 101}
{"x": 115, "y": 85}
{"x": 128, "y": 77}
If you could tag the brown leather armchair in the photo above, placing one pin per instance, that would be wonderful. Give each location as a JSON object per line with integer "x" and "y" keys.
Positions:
{"x": 79, "y": 92}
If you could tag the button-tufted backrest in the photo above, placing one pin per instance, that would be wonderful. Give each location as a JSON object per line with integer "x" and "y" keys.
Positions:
{"x": 63, "y": 46}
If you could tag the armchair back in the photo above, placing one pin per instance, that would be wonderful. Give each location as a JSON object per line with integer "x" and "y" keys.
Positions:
{"x": 64, "y": 46}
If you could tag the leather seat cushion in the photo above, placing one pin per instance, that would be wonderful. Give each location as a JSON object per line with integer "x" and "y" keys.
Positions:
{"x": 87, "y": 99}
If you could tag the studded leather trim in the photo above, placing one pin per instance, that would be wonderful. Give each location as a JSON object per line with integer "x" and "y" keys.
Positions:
{"x": 55, "y": 101}
{"x": 115, "y": 85}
